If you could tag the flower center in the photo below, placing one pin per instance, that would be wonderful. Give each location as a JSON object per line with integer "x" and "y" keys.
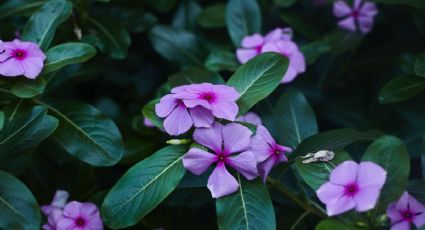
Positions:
{"x": 355, "y": 13}
{"x": 221, "y": 157}
{"x": 277, "y": 152}
{"x": 19, "y": 54}
{"x": 407, "y": 215}
{"x": 210, "y": 97}
{"x": 258, "y": 49}
{"x": 80, "y": 222}
{"x": 351, "y": 189}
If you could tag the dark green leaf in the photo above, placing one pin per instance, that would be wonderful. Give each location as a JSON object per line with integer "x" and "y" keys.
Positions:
{"x": 416, "y": 188}
{"x": 243, "y": 17}
{"x": 18, "y": 7}
{"x": 143, "y": 187}
{"x": 222, "y": 60}
{"x": 162, "y": 5}
{"x": 414, "y": 3}
{"x": 149, "y": 112}
{"x": 194, "y": 75}
{"x": 248, "y": 208}
{"x": 258, "y": 78}
{"x": 341, "y": 41}
{"x": 301, "y": 25}
{"x": 284, "y": 3}
{"x": 136, "y": 150}
{"x": 314, "y": 50}
{"x": 19, "y": 209}
{"x": 213, "y": 16}
{"x": 401, "y": 88}
{"x": 333, "y": 224}
{"x": 42, "y": 25}
{"x": 1, "y": 120}
{"x": 27, "y": 88}
{"x": 186, "y": 14}
{"x": 66, "y": 54}
{"x": 419, "y": 66}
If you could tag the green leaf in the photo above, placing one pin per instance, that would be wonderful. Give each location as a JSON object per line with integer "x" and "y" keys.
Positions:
{"x": 18, "y": 7}
{"x": 1, "y": 120}
{"x": 137, "y": 149}
{"x": 341, "y": 41}
{"x": 213, "y": 16}
{"x": 333, "y": 140}
{"x": 162, "y": 5}
{"x": 24, "y": 129}
{"x": 67, "y": 54}
{"x": 414, "y": 3}
{"x": 194, "y": 75}
{"x": 248, "y": 208}
{"x": 222, "y": 60}
{"x": 149, "y": 112}
{"x": 416, "y": 188}
{"x": 114, "y": 39}
{"x": 176, "y": 45}
{"x": 143, "y": 187}
{"x": 19, "y": 209}
{"x": 419, "y": 66}
{"x": 186, "y": 14}
{"x": 316, "y": 174}
{"x": 243, "y": 17}
{"x": 332, "y": 224}
{"x": 314, "y": 50}
{"x": 87, "y": 134}
{"x": 28, "y": 88}
{"x": 42, "y": 25}
{"x": 284, "y": 3}
{"x": 301, "y": 25}
{"x": 401, "y": 88}
{"x": 296, "y": 119}
{"x": 391, "y": 154}
{"x": 258, "y": 78}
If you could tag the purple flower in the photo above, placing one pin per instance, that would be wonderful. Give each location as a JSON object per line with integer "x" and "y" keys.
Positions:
{"x": 21, "y": 58}
{"x": 80, "y": 216}
{"x": 405, "y": 211}
{"x": 148, "y": 123}
{"x": 267, "y": 152}
{"x": 225, "y": 142}
{"x": 59, "y": 200}
{"x": 352, "y": 185}
{"x": 250, "y": 117}
{"x": 361, "y": 15}
{"x": 52, "y": 220}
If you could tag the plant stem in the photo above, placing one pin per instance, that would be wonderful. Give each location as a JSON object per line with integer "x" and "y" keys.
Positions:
{"x": 299, "y": 220}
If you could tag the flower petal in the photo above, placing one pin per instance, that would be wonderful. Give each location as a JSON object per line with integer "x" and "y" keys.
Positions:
{"x": 366, "y": 198}
{"x": 341, "y": 9}
{"x": 32, "y": 67}
{"x": 59, "y": 200}
{"x": 393, "y": 213}
{"x": 178, "y": 122}
{"x": 290, "y": 75}
{"x": 11, "y": 68}
{"x": 343, "y": 204}
{"x": 250, "y": 117}
{"x": 404, "y": 225}
{"x": 244, "y": 55}
{"x": 201, "y": 117}
{"x": 165, "y": 106}
{"x": 261, "y": 144}
{"x": 197, "y": 161}
{"x": 252, "y": 41}
{"x": 236, "y": 137}
{"x": 274, "y": 35}
{"x": 345, "y": 173}
{"x": 415, "y": 206}
{"x": 225, "y": 109}
{"x": 403, "y": 202}
{"x": 245, "y": 164}
{"x": 369, "y": 173}
{"x": 224, "y": 92}
{"x": 89, "y": 209}
{"x": 348, "y": 24}
{"x": 210, "y": 137}
{"x": 365, "y": 23}
{"x": 65, "y": 223}
{"x": 419, "y": 220}
{"x": 72, "y": 209}
{"x": 330, "y": 193}
{"x": 265, "y": 167}
{"x": 221, "y": 182}
{"x": 368, "y": 9}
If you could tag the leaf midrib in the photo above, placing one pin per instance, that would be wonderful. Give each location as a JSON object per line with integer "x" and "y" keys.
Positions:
{"x": 243, "y": 202}
{"x": 22, "y": 127}
{"x": 105, "y": 31}
{"x": 10, "y": 206}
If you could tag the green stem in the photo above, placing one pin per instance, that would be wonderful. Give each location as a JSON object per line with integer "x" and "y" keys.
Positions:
{"x": 299, "y": 220}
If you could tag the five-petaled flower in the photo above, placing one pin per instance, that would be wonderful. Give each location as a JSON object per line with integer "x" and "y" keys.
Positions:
{"x": 360, "y": 16}
{"x": 352, "y": 185}
{"x": 78, "y": 215}
{"x": 267, "y": 152}
{"x": 59, "y": 201}
{"x": 405, "y": 211}
{"x": 225, "y": 141}
{"x": 21, "y": 58}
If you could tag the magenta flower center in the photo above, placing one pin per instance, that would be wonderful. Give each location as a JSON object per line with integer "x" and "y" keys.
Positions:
{"x": 19, "y": 54}
{"x": 210, "y": 97}
{"x": 258, "y": 49}
{"x": 221, "y": 157}
{"x": 351, "y": 189}
{"x": 80, "y": 222}
{"x": 355, "y": 13}
{"x": 407, "y": 215}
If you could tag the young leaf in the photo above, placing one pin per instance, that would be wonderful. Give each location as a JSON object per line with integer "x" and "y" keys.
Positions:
{"x": 258, "y": 78}
{"x": 28, "y": 88}
{"x": 149, "y": 112}
{"x": 19, "y": 209}
{"x": 193, "y": 75}
{"x": 401, "y": 88}
{"x": 66, "y": 54}
{"x": 391, "y": 154}
{"x": 87, "y": 134}
{"x": 248, "y": 208}
{"x": 42, "y": 25}
{"x": 243, "y": 17}
{"x": 143, "y": 187}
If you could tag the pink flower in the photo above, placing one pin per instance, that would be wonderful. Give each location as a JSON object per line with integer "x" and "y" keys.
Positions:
{"x": 52, "y": 220}
{"x": 352, "y": 185}
{"x": 361, "y": 15}
{"x": 407, "y": 210}
{"x": 267, "y": 152}
{"x": 250, "y": 117}
{"x": 59, "y": 200}
{"x": 80, "y": 216}
{"x": 21, "y": 58}
{"x": 148, "y": 123}
{"x": 225, "y": 142}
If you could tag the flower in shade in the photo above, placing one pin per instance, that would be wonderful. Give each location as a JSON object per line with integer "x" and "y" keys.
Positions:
{"x": 52, "y": 220}
{"x": 406, "y": 211}
{"x": 352, "y": 186}
{"x": 80, "y": 216}
{"x": 21, "y": 58}
{"x": 225, "y": 141}
{"x": 250, "y": 117}
{"x": 360, "y": 16}
{"x": 59, "y": 200}
{"x": 148, "y": 123}
{"x": 267, "y": 152}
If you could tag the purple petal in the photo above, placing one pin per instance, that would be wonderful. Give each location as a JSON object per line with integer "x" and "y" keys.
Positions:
{"x": 89, "y": 209}
{"x": 345, "y": 173}
{"x": 91, "y": 214}
{"x": 343, "y": 204}
{"x": 95, "y": 223}
{"x": 261, "y": 144}
{"x": 66, "y": 223}
{"x": 330, "y": 193}
{"x": 225, "y": 109}
{"x": 403, "y": 201}
{"x": 54, "y": 217}
{"x": 357, "y": 4}
{"x": 178, "y": 122}
{"x": 252, "y": 41}
{"x": 11, "y": 68}
{"x": 290, "y": 75}
{"x": 415, "y": 206}
{"x": 393, "y": 213}
{"x": 221, "y": 182}
{"x": 245, "y": 164}
{"x": 224, "y": 92}
{"x": 265, "y": 167}
{"x": 274, "y": 35}
{"x": 72, "y": 209}
{"x": 365, "y": 23}
{"x": 369, "y": 173}
{"x": 47, "y": 227}
{"x": 368, "y": 9}
{"x": 366, "y": 198}
{"x": 210, "y": 137}
{"x": 197, "y": 161}
{"x": 283, "y": 150}
{"x": 270, "y": 47}
{"x": 348, "y": 24}
{"x": 165, "y": 106}
{"x": 419, "y": 220}
{"x": 244, "y": 55}
{"x": 341, "y": 9}
{"x": 32, "y": 67}
{"x": 59, "y": 200}
{"x": 236, "y": 137}
{"x": 404, "y": 225}
{"x": 202, "y": 118}
{"x": 250, "y": 117}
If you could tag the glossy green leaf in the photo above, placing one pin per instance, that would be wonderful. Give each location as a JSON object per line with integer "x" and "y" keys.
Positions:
{"x": 149, "y": 112}
{"x": 295, "y": 118}
{"x": 332, "y": 224}
{"x": 67, "y": 54}
{"x": 416, "y": 188}
{"x": 314, "y": 50}
{"x": 193, "y": 75}
{"x": 391, "y": 154}
{"x": 419, "y": 66}
{"x": 28, "y": 88}
{"x": 401, "y": 88}
{"x": 18, "y": 7}
{"x": 42, "y": 25}
{"x": 258, "y": 78}
{"x": 114, "y": 39}
{"x": 143, "y": 187}
{"x": 318, "y": 173}
{"x": 19, "y": 208}
{"x": 213, "y": 16}
{"x": 243, "y": 17}
{"x": 334, "y": 140}
{"x": 248, "y": 208}
{"x": 137, "y": 149}
{"x": 186, "y": 14}
{"x": 176, "y": 45}
{"x": 222, "y": 60}
{"x": 87, "y": 134}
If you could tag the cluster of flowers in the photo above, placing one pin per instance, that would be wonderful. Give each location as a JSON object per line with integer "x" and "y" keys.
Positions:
{"x": 358, "y": 186}
{"x": 64, "y": 215}
{"x": 232, "y": 144}
{"x": 21, "y": 58}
